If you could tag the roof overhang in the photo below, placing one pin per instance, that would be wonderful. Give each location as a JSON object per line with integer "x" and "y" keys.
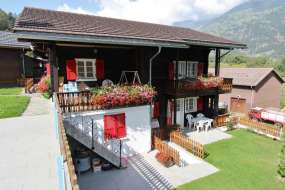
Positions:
{"x": 216, "y": 44}
{"x": 9, "y": 46}
{"x": 91, "y": 39}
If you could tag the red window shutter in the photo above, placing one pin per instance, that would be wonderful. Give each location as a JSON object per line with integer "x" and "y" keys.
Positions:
{"x": 47, "y": 66}
{"x": 200, "y": 104}
{"x": 156, "y": 110}
{"x": 121, "y": 125}
{"x": 171, "y": 74}
{"x": 200, "y": 69}
{"x": 109, "y": 126}
{"x": 71, "y": 69}
{"x": 100, "y": 72}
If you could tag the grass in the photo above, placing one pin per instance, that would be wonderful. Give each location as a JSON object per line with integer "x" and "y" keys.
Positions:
{"x": 13, "y": 106}
{"x": 282, "y": 104}
{"x": 11, "y": 91}
{"x": 247, "y": 162}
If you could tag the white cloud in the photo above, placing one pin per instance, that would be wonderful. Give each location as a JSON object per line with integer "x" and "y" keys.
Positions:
{"x": 158, "y": 11}
{"x": 65, "y": 7}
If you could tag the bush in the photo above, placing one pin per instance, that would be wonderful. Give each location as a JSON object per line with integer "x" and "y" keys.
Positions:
{"x": 164, "y": 159}
{"x": 230, "y": 125}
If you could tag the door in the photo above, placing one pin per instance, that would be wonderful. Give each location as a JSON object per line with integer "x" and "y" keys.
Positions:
{"x": 238, "y": 105}
{"x": 180, "y": 111}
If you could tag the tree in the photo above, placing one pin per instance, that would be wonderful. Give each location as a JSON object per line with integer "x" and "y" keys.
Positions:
{"x": 6, "y": 20}
{"x": 281, "y": 166}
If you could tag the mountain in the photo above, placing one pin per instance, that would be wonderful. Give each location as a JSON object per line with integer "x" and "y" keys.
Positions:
{"x": 258, "y": 23}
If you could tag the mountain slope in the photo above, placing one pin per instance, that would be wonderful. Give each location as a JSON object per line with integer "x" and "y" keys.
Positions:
{"x": 258, "y": 23}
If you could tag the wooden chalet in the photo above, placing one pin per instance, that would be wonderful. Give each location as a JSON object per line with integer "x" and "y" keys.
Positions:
{"x": 89, "y": 49}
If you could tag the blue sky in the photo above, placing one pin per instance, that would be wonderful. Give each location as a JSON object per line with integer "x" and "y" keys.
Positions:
{"x": 18, "y": 5}
{"x": 156, "y": 11}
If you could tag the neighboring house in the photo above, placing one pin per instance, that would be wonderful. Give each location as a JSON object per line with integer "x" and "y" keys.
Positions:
{"x": 252, "y": 87}
{"x": 85, "y": 50}
{"x": 12, "y": 59}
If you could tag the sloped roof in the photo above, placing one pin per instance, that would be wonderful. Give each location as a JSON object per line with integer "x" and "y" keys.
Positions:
{"x": 49, "y": 21}
{"x": 247, "y": 76}
{"x": 9, "y": 40}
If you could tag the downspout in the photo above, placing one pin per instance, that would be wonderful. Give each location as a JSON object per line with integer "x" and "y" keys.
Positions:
{"x": 251, "y": 98}
{"x": 150, "y": 63}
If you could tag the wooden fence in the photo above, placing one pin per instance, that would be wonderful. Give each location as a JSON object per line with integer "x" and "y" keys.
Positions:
{"x": 166, "y": 149}
{"x": 189, "y": 144}
{"x": 29, "y": 82}
{"x": 262, "y": 127}
{"x": 221, "y": 120}
{"x": 65, "y": 149}
{"x": 227, "y": 85}
{"x": 75, "y": 101}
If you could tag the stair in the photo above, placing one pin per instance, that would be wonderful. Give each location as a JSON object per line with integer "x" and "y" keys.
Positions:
{"x": 101, "y": 149}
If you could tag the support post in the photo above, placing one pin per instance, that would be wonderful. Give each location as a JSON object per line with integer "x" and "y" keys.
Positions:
{"x": 217, "y": 62}
{"x": 53, "y": 67}
{"x": 216, "y": 105}
{"x": 174, "y": 110}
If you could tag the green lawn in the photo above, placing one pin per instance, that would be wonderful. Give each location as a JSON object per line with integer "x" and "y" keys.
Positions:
{"x": 11, "y": 91}
{"x": 13, "y": 106}
{"x": 246, "y": 162}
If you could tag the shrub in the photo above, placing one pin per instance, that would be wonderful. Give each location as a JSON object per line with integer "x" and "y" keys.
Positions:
{"x": 164, "y": 159}
{"x": 230, "y": 125}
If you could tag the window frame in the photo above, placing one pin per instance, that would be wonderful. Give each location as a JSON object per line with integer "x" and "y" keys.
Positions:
{"x": 85, "y": 78}
{"x": 187, "y": 70}
{"x": 187, "y": 107}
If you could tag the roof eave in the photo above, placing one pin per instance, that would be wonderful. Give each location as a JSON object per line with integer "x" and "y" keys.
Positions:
{"x": 217, "y": 44}
{"x": 56, "y": 37}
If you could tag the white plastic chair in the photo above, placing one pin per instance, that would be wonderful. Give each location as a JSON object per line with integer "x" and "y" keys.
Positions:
{"x": 189, "y": 118}
{"x": 200, "y": 115}
{"x": 107, "y": 82}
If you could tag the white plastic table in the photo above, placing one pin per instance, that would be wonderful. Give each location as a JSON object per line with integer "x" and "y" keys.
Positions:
{"x": 197, "y": 120}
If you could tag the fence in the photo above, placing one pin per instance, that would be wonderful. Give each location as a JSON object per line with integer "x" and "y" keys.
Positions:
{"x": 29, "y": 82}
{"x": 262, "y": 127}
{"x": 65, "y": 150}
{"x": 189, "y": 144}
{"x": 75, "y": 101}
{"x": 221, "y": 120}
{"x": 227, "y": 85}
{"x": 166, "y": 149}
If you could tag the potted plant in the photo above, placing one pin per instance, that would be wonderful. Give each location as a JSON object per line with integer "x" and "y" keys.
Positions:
{"x": 164, "y": 159}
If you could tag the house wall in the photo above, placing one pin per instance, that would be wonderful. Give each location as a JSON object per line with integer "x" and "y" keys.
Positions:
{"x": 268, "y": 92}
{"x": 10, "y": 66}
{"x": 138, "y": 128}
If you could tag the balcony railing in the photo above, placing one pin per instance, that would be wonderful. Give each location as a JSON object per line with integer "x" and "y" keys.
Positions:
{"x": 199, "y": 87}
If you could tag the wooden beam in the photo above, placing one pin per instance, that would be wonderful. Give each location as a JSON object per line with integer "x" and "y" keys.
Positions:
{"x": 53, "y": 67}
{"x": 217, "y": 62}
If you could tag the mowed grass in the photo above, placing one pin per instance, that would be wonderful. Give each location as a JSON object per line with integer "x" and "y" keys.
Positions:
{"x": 11, "y": 91}
{"x": 13, "y": 106}
{"x": 247, "y": 162}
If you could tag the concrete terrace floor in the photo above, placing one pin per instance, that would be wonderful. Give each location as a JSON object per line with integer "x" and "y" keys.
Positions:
{"x": 29, "y": 149}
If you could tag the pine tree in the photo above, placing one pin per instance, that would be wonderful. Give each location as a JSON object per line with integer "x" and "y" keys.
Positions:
{"x": 281, "y": 166}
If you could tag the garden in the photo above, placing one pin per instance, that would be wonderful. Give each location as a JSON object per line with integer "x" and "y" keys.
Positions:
{"x": 247, "y": 161}
{"x": 12, "y": 104}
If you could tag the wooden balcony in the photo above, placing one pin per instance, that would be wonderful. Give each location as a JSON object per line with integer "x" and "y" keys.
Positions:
{"x": 182, "y": 88}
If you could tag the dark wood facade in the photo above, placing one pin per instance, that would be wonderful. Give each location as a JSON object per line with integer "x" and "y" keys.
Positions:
{"x": 119, "y": 58}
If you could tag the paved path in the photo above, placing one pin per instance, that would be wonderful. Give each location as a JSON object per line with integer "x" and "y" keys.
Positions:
{"x": 29, "y": 150}
{"x": 37, "y": 106}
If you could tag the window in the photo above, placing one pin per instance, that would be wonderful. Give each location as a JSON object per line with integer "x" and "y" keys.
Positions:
{"x": 190, "y": 104}
{"x": 86, "y": 69}
{"x": 114, "y": 126}
{"x": 187, "y": 69}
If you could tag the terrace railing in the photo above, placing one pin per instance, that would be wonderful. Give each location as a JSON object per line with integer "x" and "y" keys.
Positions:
{"x": 182, "y": 87}
{"x": 75, "y": 101}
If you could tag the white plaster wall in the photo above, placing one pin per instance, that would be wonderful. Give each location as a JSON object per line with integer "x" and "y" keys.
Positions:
{"x": 138, "y": 128}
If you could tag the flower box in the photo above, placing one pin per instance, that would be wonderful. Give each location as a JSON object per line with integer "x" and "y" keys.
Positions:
{"x": 122, "y": 95}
